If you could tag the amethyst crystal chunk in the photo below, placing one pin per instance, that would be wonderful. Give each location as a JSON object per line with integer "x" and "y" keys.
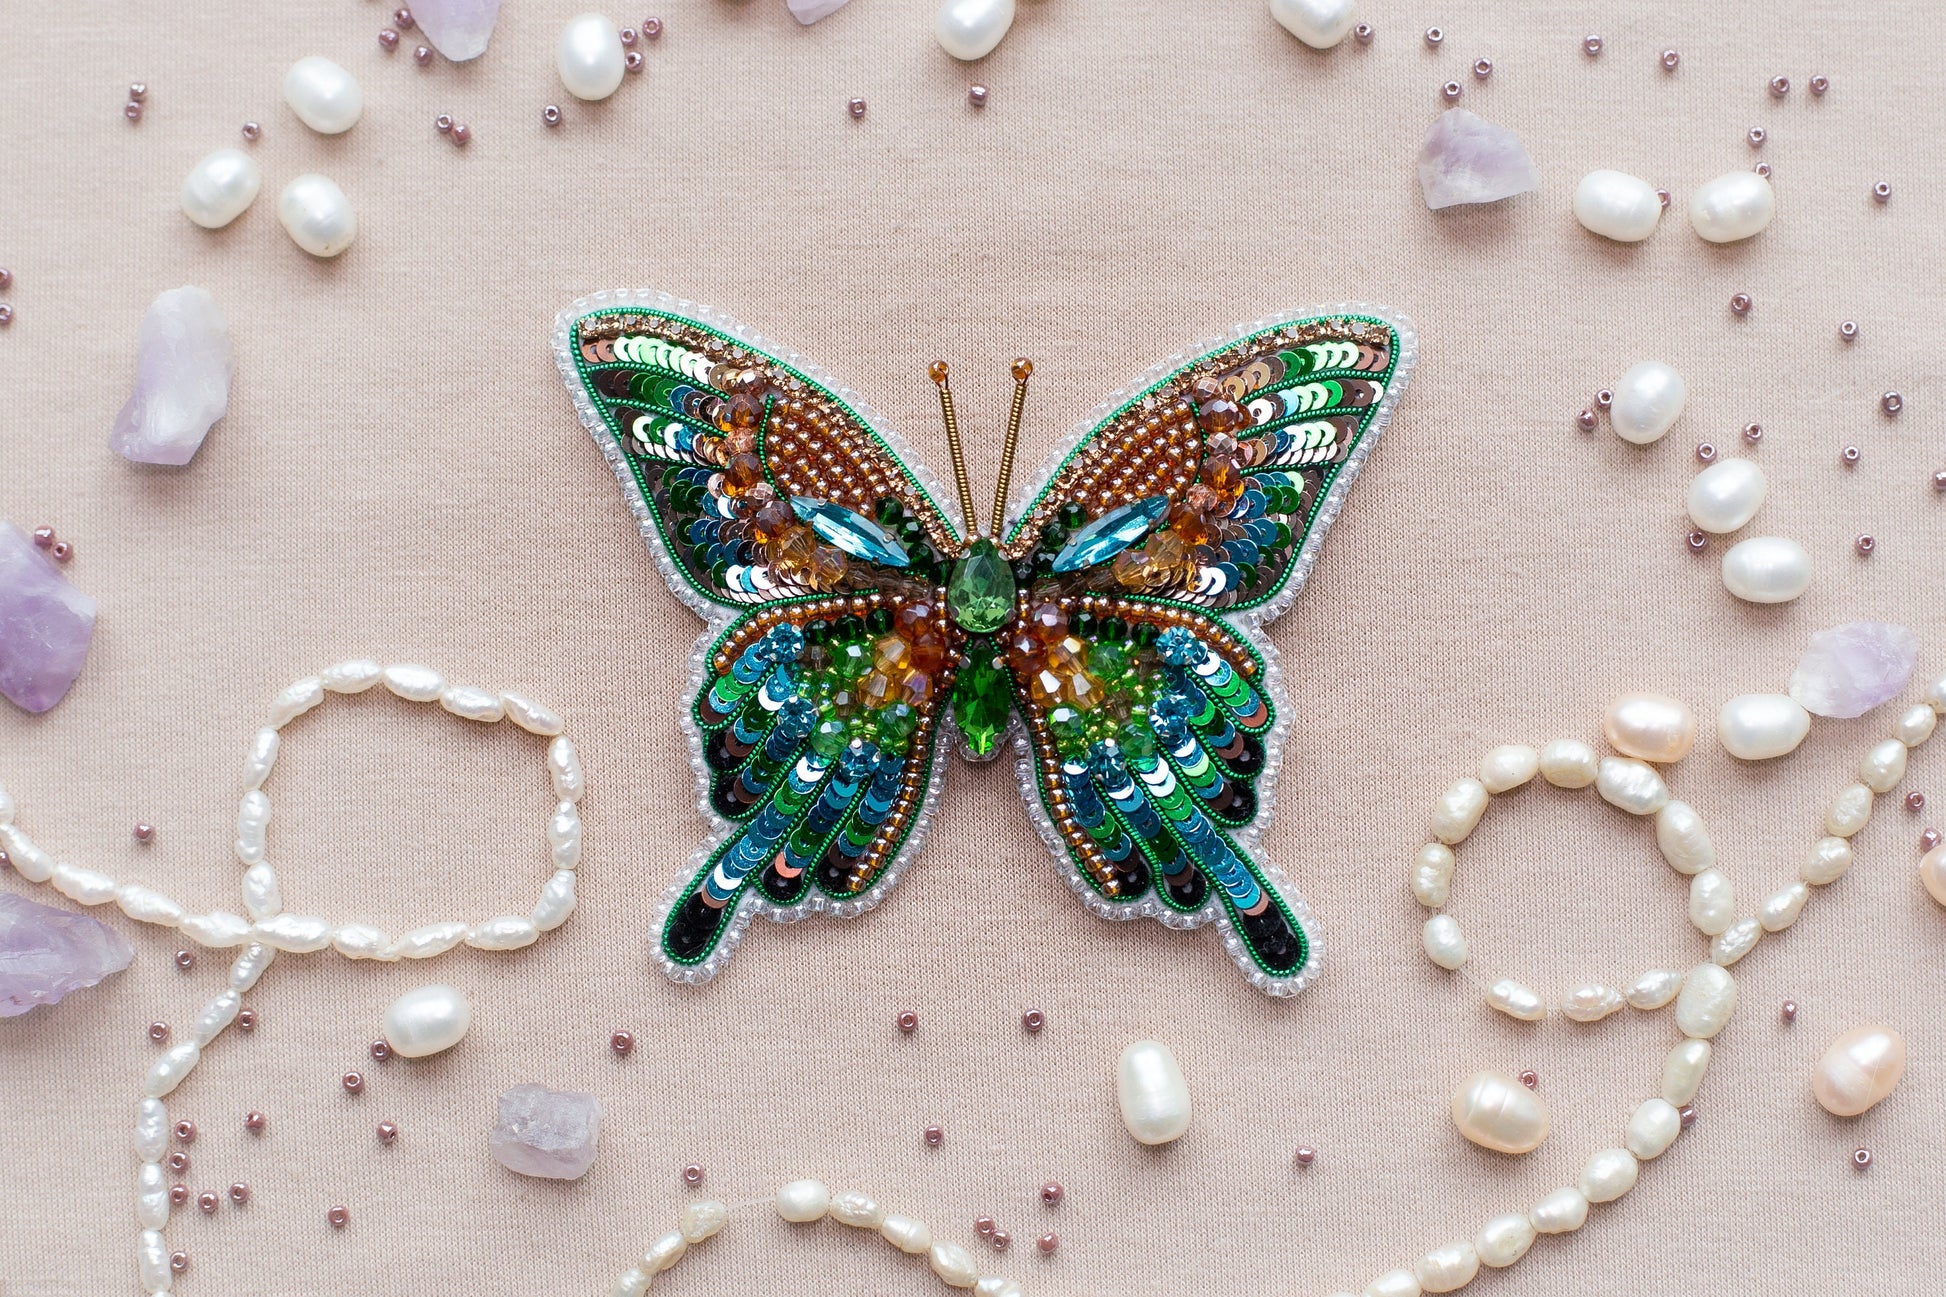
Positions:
{"x": 45, "y": 624}
{"x": 1466, "y": 159}
{"x": 47, "y": 953}
{"x": 458, "y": 29}
{"x": 1850, "y": 669}
{"x": 182, "y": 380}
{"x": 547, "y": 1133}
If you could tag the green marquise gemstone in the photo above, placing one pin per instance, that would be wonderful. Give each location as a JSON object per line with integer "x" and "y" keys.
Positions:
{"x": 982, "y": 697}
{"x": 981, "y": 591}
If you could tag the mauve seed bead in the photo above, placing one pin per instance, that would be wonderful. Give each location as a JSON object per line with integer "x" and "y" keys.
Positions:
{"x": 353, "y": 1083}
{"x": 5, "y": 860}
{"x": 1741, "y": 303}
{"x": 692, "y": 1175}
{"x": 461, "y": 133}
{"x": 984, "y": 1226}
{"x": 1305, "y": 1155}
{"x": 856, "y": 108}
{"x": 1362, "y": 33}
{"x": 185, "y": 960}
{"x": 6, "y": 314}
{"x": 239, "y": 1193}
{"x": 1048, "y": 1242}
{"x": 1757, "y": 136}
{"x": 1531, "y": 1079}
{"x": 935, "y": 1136}
{"x": 908, "y": 1022}
{"x": 1851, "y": 455}
{"x": 551, "y": 115}
{"x": 622, "y": 1043}
{"x": 651, "y": 27}
{"x": 138, "y": 91}
{"x": 443, "y": 123}
{"x": 132, "y": 111}
{"x": 1482, "y": 68}
{"x": 1762, "y": 169}
{"x": 1698, "y": 541}
{"x": 6, "y": 279}
{"x": 1939, "y": 480}
{"x": 380, "y": 1051}
{"x": 1848, "y": 330}
{"x": 1591, "y": 45}
{"x": 628, "y": 36}
{"x": 43, "y": 537}
{"x": 1788, "y": 1011}
{"x": 977, "y": 96}
{"x": 178, "y": 1262}
{"x": 1706, "y": 452}
{"x": 178, "y": 1194}
{"x": 1820, "y": 84}
{"x": 62, "y": 551}
{"x": 338, "y": 1217}
{"x": 1687, "y": 1114}
{"x": 1052, "y": 1193}
{"x": 1882, "y": 191}
{"x": 1753, "y": 433}
{"x": 1604, "y": 398}
{"x": 146, "y": 833}
{"x": 1670, "y": 58}
{"x": 1891, "y": 402}
{"x": 252, "y": 132}
{"x": 1779, "y": 87}
{"x": 633, "y": 60}
{"x": 1434, "y": 35}
{"x": 206, "y": 1201}
{"x": 422, "y": 55}
{"x": 387, "y": 1132}
{"x": 1586, "y": 420}
{"x": 1915, "y": 801}
{"x": 1662, "y": 196}
{"x": 1033, "y": 1020}
{"x": 254, "y": 1122}
{"x": 158, "y": 1032}
{"x": 403, "y": 18}
{"x": 178, "y": 1161}
{"x": 1451, "y": 91}
{"x": 388, "y": 38}
{"x": 1861, "y": 1158}
{"x": 1929, "y": 839}
{"x": 1865, "y": 545}
{"x": 1001, "y": 1240}
{"x": 186, "y": 1131}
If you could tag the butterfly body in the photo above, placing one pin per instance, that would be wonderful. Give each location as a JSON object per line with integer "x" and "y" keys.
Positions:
{"x": 1111, "y": 635}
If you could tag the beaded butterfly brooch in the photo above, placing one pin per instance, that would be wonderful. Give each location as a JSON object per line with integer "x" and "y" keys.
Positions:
{"x": 1111, "y": 635}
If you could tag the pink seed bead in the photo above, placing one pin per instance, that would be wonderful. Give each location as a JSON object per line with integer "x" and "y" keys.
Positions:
{"x": 1482, "y": 68}
{"x": 1848, "y": 330}
{"x": 1788, "y": 1011}
{"x": 908, "y": 1022}
{"x": 178, "y": 1262}
{"x": 1915, "y": 801}
{"x": 43, "y": 537}
{"x": 1820, "y": 84}
{"x": 1604, "y": 398}
{"x": 1591, "y": 45}
{"x": 1687, "y": 1114}
{"x": 1779, "y": 87}
{"x": 1052, "y": 1193}
{"x": 380, "y": 1051}
{"x": 1531, "y": 1079}
{"x": 178, "y": 1161}
{"x": 1698, "y": 540}
{"x": 1882, "y": 191}
{"x": 132, "y": 111}
{"x": 252, "y": 132}
{"x": 6, "y": 314}
{"x": 651, "y": 28}
{"x": 1861, "y": 1158}
{"x": 185, "y": 960}
{"x": 145, "y": 833}
{"x": 1851, "y": 455}
{"x": 1451, "y": 91}
{"x": 1048, "y": 1242}
{"x": 403, "y": 19}
{"x": 422, "y": 55}
{"x": 1586, "y": 420}
{"x": 1434, "y": 35}
{"x": 632, "y": 60}
{"x": 1670, "y": 58}
{"x": 1033, "y": 1020}
{"x": 387, "y": 1132}
{"x": 1891, "y": 402}
{"x": 1865, "y": 545}
{"x": 628, "y": 36}
{"x": 692, "y": 1175}
{"x": 1706, "y": 452}
{"x": 1662, "y": 196}
{"x": 353, "y": 1083}
{"x": 622, "y": 1044}
{"x": 1741, "y": 303}
{"x": 239, "y": 1193}
{"x": 462, "y": 133}
{"x": 856, "y": 108}
{"x": 1753, "y": 433}
{"x": 185, "y": 1131}
{"x": 984, "y": 1226}
{"x": 551, "y": 115}
{"x": 6, "y": 279}
{"x": 1929, "y": 839}
{"x": 158, "y": 1032}
{"x": 1362, "y": 33}
{"x": 62, "y": 551}
{"x": 178, "y": 1194}
{"x": 1305, "y": 1155}
{"x": 1757, "y": 136}
{"x": 246, "y": 1020}
{"x": 443, "y": 123}
{"x": 254, "y": 1122}
{"x": 1939, "y": 480}
{"x": 338, "y": 1217}
{"x": 977, "y": 96}
{"x": 1762, "y": 169}
{"x": 935, "y": 1136}
{"x": 138, "y": 91}
{"x": 1001, "y": 1240}
{"x": 388, "y": 39}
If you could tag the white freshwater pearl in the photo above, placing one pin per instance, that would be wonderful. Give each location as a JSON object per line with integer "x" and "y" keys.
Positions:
{"x": 1648, "y": 399}
{"x": 1932, "y": 873}
{"x": 152, "y": 1196}
{"x": 432, "y": 939}
{"x": 1653, "y": 1128}
{"x": 1394, "y": 1283}
{"x": 146, "y": 905}
{"x": 1516, "y": 1001}
{"x": 1444, "y": 942}
{"x": 1849, "y": 810}
{"x": 1883, "y": 766}
{"x": 1499, "y": 1113}
{"x": 30, "y": 862}
{"x": 353, "y": 677}
{"x": 1936, "y": 695}
{"x": 531, "y": 716}
{"x": 1860, "y": 1068}
{"x": 1591, "y": 1003}
{"x": 471, "y": 703}
{"x": 361, "y": 941}
{"x": 152, "y": 1260}
{"x": 1448, "y": 1268}
{"x": 1682, "y": 1071}
{"x": 954, "y": 1265}
{"x": 1508, "y": 767}
{"x": 995, "y": 1286}
{"x": 1608, "y": 1175}
{"x": 262, "y": 757}
{"x": 1762, "y": 727}
{"x": 1569, "y": 763}
{"x": 167, "y": 1072}
{"x": 970, "y": 29}
{"x": 1458, "y": 810}
{"x": 1781, "y": 908}
{"x": 1321, "y": 24}
{"x": 507, "y": 932}
{"x": 701, "y": 1220}
{"x": 299, "y": 934}
{"x": 1766, "y": 569}
{"x": 218, "y": 1014}
{"x": 252, "y": 821}
{"x": 1631, "y": 786}
{"x": 317, "y": 215}
{"x": 300, "y": 697}
{"x": 1733, "y": 206}
{"x": 664, "y": 1252}
{"x": 633, "y": 1283}
{"x": 1726, "y": 495}
{"x": 250, "y": 966}
{"x": 564, "y": 835}
{"x": 1561, "y": 1212}
{"x": 88, "y": 886}
{"x": 221, "y": 187}
{"x": 1617, "y": 206}
{"x": 590, "y": 57}
{"x": 1653, "y": 727}
{"x": 1654, "y": 988}
{"x": 218, "y": 930}
{"x": 1735, "y": 941}
{"x": 1682, "y": 839}
{"x": 414, "y": 683}
{"x": 1712, "y": 901}
{"x": 860, "y": 1211}
{"x": 427, "y": 1020}
{"x": 324, "y": 96}
{"x": 1708, "y": 998}
{"x": 151, "y": 1130}
{"x": 564, "y": 766}
{"x": 1154, "y": 1096}
{"x": 803, "y": 1201}
{"x": 1827, "y": 863}
{"x": 1504, "y": 1239}
{"x": 906, "y": 1233}
{"x": 262, "y": 896}
{"x": 1915, "y": 725}
{"x": 556, "y": 901}
{"x": 1432, "y": 874}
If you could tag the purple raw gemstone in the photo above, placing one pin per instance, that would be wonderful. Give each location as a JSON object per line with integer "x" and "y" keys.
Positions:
{"x": 45, "y": 624}
{"x": 1466, "y": 159}
{"x": 182, "y": 380}
{"x": 1850, "y": 669}
{"x": 547, "y": 1133}
{"x": 47, "y": 953}
{"x": 458, "y": 29}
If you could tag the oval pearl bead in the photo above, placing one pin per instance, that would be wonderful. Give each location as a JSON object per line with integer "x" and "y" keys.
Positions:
{"x": 1617, "y": 206}
{"x": 1861, "y": 1068}
{"x": 1932, "y": 873}
{"x": 1444, "y": 942}
{"x": 1712, "y": 902}
{"x": 1154, "y": 1096}
{"x": 1648, "y": 399}
{"x": 1631, "y": 786}
{"x": 857, "y": 1210}
{"x": 1499, "y": 1113}
{"x": 1608, "y": 1175}
{"x": 1883, "y": 766}
{"x": 1726, "y": 495}
{"x": 1432, "y": 875}
{"x": 1653, "y": 1128}
{"x": 1516, "y": 1001}
{"x": 664, "y": 1252}
{"x": 954, "y": 1265}
{"x": 1849, "y": 810}
{"x": 1591, "y": 1003}
{"x": 1650, "y": 726}
{"x": 324, "y": 96}
{"x": 1394, "y": 1283}
{"x": 1448, "y": 1268}
{"x": 1915, "y": 725}
{"x": 1781, "y": 908}
{"x": 1458, "y": 811}
{"x": 1321, "y": 24}
{"x": 803, "y": 1201}
{"x": 1682, "y": 1071}
{"x": 1508, "y": 767}
{"x": 1708, "y": 998}
{"x": 353, "y": 677}
{"x": 1733, "y": 206}
{"x": 427, "y": 1020}
{"x": 1766, "y": 569}
{"x": 1735, "y": 941}
{"x": 221, "y": 188}
{"x": 1561, "y": 1212}
{"x": 1682, "y": 839}
{"x": 1569, "y": 763}
{"x": 317, "y": 215}
{"x": 1827, "y": 863}
{"x": 701, "y": 1220}
{"x": 1504, "y": 1240}
{"x": 590, "y": 57}
{"x": 1654, "y": 988}
{"x": 1762, "y": 727}
{"x": 909, "y": 1235}
{"x": 970, "y": 29}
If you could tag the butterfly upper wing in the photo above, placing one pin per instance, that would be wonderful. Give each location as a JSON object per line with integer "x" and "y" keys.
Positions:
{"x": 783, "y": 515}
{"x": 1180, "y": 522}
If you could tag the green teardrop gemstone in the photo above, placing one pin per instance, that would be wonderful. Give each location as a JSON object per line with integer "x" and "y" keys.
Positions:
{"x": 982, "y": 697}
{"x": 980, "y": 594}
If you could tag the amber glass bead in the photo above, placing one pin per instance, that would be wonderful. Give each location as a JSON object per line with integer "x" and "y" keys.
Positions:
{"x": 741, "y": 473}
{"x": 1048, "y": 622}
{"x": 1024, "y": 650}
{"x": 792, "y": 552}
{"x": 937, "y": 371}
{"x": 893, "y": 656}
{"x": 773, "y": 521}
{"x": 928, "y": 653}
{"x": 1220, "y": 474}
{"x": 1166, "y": 552}
{"x": 1067, "y": 656}
{"x": 1084, "y": 691}
{"x": 1190, "y": 523}
{"x": 745, "y": 411}
{"x": 915, "y": 688}
{"x": 828, "y": 568}
{"x": 1023, "y": 369}
{"x": 875, "y": 690}
{"x": 1205, "y": 388}
{"x": 1045, "y": 687}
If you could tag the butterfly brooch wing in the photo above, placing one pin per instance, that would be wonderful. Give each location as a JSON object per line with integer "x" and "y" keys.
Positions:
{"x": 1115, "y": 636}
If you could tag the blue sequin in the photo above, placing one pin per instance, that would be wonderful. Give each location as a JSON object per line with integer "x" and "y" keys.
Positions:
{"x": 1110, "y": 534}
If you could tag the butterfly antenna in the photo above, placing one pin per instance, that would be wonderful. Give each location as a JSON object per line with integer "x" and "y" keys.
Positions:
{"x": 937, "y": 372}
{"x": 1023, "y": 370}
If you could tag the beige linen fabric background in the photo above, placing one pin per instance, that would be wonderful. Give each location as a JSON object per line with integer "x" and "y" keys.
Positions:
{"x": 401, "y": 475}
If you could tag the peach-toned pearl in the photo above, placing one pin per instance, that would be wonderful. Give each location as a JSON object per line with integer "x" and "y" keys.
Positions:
{"x": 1499, "y": 1113}
{"x": 1861, "y": 1067}
{"x": 1650, "y": 726}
